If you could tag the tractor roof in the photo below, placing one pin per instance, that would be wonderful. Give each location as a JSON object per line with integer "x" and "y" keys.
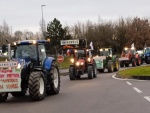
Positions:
{"x": 30, "y": 42}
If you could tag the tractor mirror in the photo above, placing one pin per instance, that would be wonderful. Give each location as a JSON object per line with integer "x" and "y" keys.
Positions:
{"x": 4, "y": 48}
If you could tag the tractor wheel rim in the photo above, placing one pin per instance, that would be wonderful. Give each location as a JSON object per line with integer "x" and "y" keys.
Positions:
{"x": 56, "y": 78}
{"x": 41, "y": 86}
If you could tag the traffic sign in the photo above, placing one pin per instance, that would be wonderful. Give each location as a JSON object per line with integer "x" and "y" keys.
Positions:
{"x": 60, "y": 58}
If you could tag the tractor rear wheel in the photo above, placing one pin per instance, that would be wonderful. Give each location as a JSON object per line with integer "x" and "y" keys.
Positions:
{"x": 110, "y": 67}
{"x": 148, "y": 60}
{"x": 54, "y": 79}
{"x": 90, "y": 72}
{"x": 133, "y": 63}
{"x": 116, "y": 67}
{"x": 121, "y": 63}
{"x": 3, "y": 96}
{"x": 138, "y": 61}
{"x": 127, "y": 64}
{"x": 94, "y": 70}
{"x": 37, "y": 86}
{"x": 72, "y": 74}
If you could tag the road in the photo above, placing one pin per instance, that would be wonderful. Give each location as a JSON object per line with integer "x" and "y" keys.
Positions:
{"x": 103, "y": 94}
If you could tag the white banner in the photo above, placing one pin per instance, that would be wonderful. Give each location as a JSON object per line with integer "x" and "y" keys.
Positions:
{"x": 10, "y": 80}
{"x": 69, "y": 42}
{"x": 8, "y": 64}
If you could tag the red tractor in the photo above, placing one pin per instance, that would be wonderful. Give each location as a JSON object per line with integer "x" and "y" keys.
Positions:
{"x": 81, "y": 59}
{"x": 129, "y": 55}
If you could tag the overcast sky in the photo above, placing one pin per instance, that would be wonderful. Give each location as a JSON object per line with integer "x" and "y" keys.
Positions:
{"x": 26, "y": 14}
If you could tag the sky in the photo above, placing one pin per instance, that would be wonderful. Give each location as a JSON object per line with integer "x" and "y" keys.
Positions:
{"x": 27, "y": 14}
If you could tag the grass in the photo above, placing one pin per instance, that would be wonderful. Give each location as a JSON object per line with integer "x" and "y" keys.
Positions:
{"x": 143, "y": 71}
{"x": 65, "y": 64}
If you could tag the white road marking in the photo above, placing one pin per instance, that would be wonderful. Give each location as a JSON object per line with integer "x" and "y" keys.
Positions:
{"x": 114, "y": 76}
{"x": 137, "y": 90}
{"x": 129, "y": 83}
{"x": 147, "y": 98}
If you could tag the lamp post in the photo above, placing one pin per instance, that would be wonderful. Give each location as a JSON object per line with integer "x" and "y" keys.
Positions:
{"x": 42, "y": 16}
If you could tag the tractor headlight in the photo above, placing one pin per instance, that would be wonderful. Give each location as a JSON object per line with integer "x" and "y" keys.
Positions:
{"x": 72, "y": 60}
{"x": 89, "y": 59}
{"x": 82, "y": 63}
{"x": 19, "y": 66}
{"x": 110, "y": 55}
{"x": 77, "y": 63}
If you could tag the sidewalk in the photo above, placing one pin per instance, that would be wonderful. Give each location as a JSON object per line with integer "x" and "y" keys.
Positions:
{"x": 64, "y": 72}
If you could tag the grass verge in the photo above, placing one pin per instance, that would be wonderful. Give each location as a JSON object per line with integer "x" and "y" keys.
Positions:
{"x": 65, "y": 64}
{"x": 143, "y": 71}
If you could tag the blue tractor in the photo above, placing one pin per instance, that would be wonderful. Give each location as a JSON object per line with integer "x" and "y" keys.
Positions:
{"x": 39, "y": 73}
{"x": 147, "y": 55}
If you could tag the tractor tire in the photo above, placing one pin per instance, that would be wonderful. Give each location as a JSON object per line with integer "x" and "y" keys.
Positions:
{"x": 110, "y": 67}
{"x": 54, "y": 80}
{"x": 72, "y": 74}
{"x": 133, "y": 62}
{"x": 3, "y": 96}
{"x": 148, "y": 60}
{"x": 138, "y": 61}
{"x": 121, "y": 63}
{"x": 37, "y": 86}
{"x": 94, "y": 70}
{"x": 90, "y": 72}
{"x": 116, "y": 67}
{"x": 126, "y": 64}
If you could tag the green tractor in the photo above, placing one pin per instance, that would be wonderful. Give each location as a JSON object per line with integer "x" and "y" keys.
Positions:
{"x": 106, "y": 60}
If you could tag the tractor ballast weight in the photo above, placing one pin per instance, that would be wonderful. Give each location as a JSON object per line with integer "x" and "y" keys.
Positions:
{"x": 106, "y": 59}
{"x": 31, "y": 69}
{"x": 81, "y": 59}
{"x": 129, "y": 56}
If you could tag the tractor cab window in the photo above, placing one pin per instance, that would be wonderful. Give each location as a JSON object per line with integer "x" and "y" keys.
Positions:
{"x": 104, "y": 53}
{"x": 80, "y": 53}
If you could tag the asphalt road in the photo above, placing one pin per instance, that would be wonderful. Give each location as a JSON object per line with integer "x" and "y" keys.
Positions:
{"x": 103, "y": 94}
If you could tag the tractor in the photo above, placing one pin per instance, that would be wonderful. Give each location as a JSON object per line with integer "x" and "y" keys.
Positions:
{"x": 29, "y": 69}
{"x": 129, "y": 56}
{"x": 82, "y": 61}
{"x": 147, "y": 55}
{"x": 106, "y": 59}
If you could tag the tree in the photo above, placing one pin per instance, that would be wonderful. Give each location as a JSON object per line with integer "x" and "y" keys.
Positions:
{"x": 56, "y": 33}
{"x": 139, "y": 32}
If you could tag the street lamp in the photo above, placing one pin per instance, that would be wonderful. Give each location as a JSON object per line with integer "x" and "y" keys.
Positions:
{"x": 42, "y": 16}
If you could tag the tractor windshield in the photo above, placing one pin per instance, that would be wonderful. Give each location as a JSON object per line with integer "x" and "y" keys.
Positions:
{"x": 104, "y": 53}
{"x": 80, "y": 53}
{"x": 24, "y": 51}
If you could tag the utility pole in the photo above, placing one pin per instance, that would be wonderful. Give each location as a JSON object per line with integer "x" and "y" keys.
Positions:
{"x": 42, "y": 19}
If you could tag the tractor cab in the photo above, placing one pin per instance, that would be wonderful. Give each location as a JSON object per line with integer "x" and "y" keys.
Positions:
{"x": 30, "y": 51}
{"x": 105, "y": 52}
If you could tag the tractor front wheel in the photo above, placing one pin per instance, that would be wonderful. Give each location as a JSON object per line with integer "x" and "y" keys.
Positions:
{"x": 90, "y": 72}
{"x": 37, "y": 86}
{"x": 72, "y": 74}
{"x": 54, "y": 80}
{"x": 110, "y": 67}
